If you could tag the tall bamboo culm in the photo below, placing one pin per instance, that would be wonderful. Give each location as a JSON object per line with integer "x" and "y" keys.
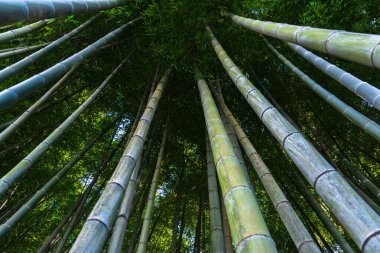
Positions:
{"x": 17, "y": 171}
{"x": 356, "y": 216}
{"x": 298, "y": 232}
{"x": 216, "y": 227}
{"x": 363, "y": 89}
{"x": 99, "y": 223}
{"x": 20, "y": 91}
{"x": 248, "y": 228}
{"x": 21, "y": 50}
{"x": 23, "y": 117}
{"x": 33, "y": 58}
{"x": 356, "y": 47}
{"x": 145, "y": 230}
{"x": 9, "y": 35}
{"x": 12, "y": 11}
{"x": 359, "y": 119}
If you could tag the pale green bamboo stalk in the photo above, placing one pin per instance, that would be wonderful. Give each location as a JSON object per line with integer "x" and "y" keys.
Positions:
{"x": 12, "y": 11}
{"x": 144, "y": 235}
{"x": 356, "y": 47}
{"x": 17, "y": 171}
{"x": 23, "y": 117}
{"x": 29, "y": 205}
{"x": 226, "y": 227}
{"x": 20, "y": 91}
{"x": 248, "y": 229}
{"x": 363, "y": 89}
{"x": 7, "y": 27}
{"x": 9, "y": 49}
{"x": 298, "y": 232}
{"x": 33, "y": 58}
{"x": 99, "y": 223}
{"x": 12, "y": 34}
{"x": 360, "y": 221}
{"x": 23, "y": 50}
{"x": 216, "y": 227}
{"x": 359, "y": 119}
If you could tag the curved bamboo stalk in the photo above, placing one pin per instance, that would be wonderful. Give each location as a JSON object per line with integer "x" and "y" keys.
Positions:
{"x": 28, "y": 206}
{"x": 12, "y": 34}
{"x": 356, "y": 216}
{"x": 33, "y": 58}
{"x": 143, "y": 243}
{"x": 12, "y": 11}
{"x": 216, "y": 227}
{"x": 356, "y": 47}
{"x": 359, "y": 119}
{"x": 14, "y": 174}
{"x": 23, "y": 117}
{"x": 22, "y": 50}
{"x": 20, "y": 91}
{"x": 298, "y": 232}
{"x": 248, "y": 228}
{"x": 363, "y": 89}
{"x": 7, "y": 27}
{"x": 99, "y": 223}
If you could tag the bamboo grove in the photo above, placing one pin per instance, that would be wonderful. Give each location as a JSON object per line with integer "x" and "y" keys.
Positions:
{"x": 189, "y": 126}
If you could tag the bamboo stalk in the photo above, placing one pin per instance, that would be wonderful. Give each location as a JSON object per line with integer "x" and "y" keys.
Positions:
{"x": 143, "y": 243}
{"x": 298, "y": 232}
{"x": 97, "y": 226}
{"x": 12, "y": 34}
{"x": 14, "y": 174}
{"x": 20, "y": 91}
{"x": 216, "y": 228}
{"x": 12, "y": 11}
{"x": 33, "y": 58}
{"x": 23, "y": 50}
{"x": 356, "y": 47}
{"x": 361, "y": 222}
{"x": 363, "y": 89}
{"x": 248, "y": 228}
{"x": 23, "y": 117}
{"x": 356, "y": 117}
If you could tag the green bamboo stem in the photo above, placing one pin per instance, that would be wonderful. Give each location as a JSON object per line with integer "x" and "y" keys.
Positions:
{"x": 99, "y": 223}
{"x": 363, "y": 89}
{"x": 9, "y": 49}
{"x": 248, "y": 228}
{"x": 356, "y": 117}
{"x": 7, "y": 27}
{"x": 356, "y": 216}
{"x": 216, "y": 226}
{"x": 12, "y": 11}
{"x": 33, "y": 58}
{"x": 298, "y": 232}
{"x": 12, "y": 34}
{"x": 17, "y": 171}
{"x": 18, "y": 51}
{"x": 144, "y": 235}
{"x": 226, "y": 227}
{"x": 23, "y": 117}
{"x": 339, "y": 238}
{"x": 20, "y": 91}
{"x": 28, "y": 206}
{"x": 356, "y": 47}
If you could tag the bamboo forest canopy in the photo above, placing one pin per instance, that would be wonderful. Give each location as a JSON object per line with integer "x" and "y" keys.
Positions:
{"x": 189, "y": 126}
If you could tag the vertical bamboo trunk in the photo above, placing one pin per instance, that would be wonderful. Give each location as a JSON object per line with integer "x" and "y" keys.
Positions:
{"x": 359, "y": 119}
{"x": 182, "y": 227}
{"x": 14, "y": 174}
{"x": 143, "y": 243}
{"x": 177, "y": 209}
{"x": 197, "y": 241}
{"x": 299, "y": 234}
{"x": 20, "y": 91}
{"x": 95, "y": 230}
{"x": 356, "y": 47}
{"x": 363, "y": 89}
{"x": 358, "y": 218}
{"x": 216, "y": 227}
{"x": 12, "y": 11}
{"x": 9, "y": 35}
{"x": 248, "y": 228}
{"x": 23, "y": 117}
{"x": 17, "y": 51}
{"x": 33, "y": 58}
{"x": 226, "y": 227}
